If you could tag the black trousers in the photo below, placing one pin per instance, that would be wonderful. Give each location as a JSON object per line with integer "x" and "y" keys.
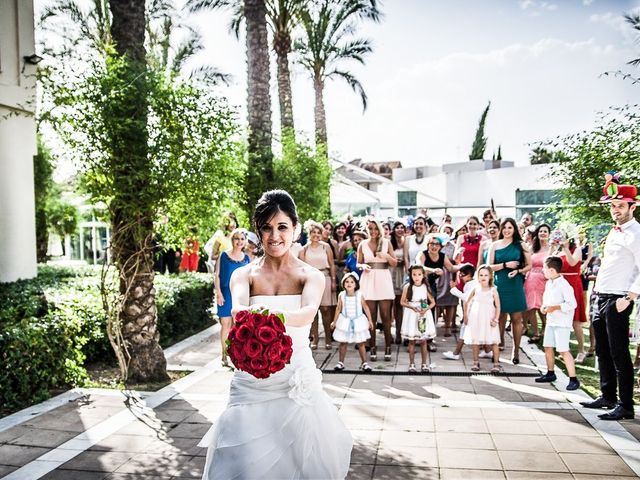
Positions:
{"x": 611, "y": 330}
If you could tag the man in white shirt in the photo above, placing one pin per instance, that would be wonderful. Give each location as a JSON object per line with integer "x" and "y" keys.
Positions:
{"x": 558, "y": 304}
{"x": 616, "y": 288}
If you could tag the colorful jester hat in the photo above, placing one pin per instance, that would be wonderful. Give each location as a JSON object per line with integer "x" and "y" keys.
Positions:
{"x": 613, "y": 190}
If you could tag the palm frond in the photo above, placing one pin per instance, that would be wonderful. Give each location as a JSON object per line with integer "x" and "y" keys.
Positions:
{"x": 353, "y": 82}
{"x": 199, "y": 5}
{"x": 353, "y": 50}
{"x": 633, "y": 19}
{"x": 210, "y": 75}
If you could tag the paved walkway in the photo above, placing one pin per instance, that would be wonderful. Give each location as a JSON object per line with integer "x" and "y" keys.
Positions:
{"x": 446, "y": 425}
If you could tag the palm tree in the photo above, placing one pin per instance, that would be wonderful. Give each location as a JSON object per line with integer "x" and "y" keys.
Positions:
{"x": 132, "y": 219}
{"x": 171, "y": 42}
{"x": 260, "y": 174}
{"x": 76, "y": 26}
{"x": 327, "y": 43}
{"x": 282, "y": 17}
{"x": 634, "y": 20}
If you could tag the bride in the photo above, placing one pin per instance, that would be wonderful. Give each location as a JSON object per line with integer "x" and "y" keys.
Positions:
{"x": 285, "y": 426}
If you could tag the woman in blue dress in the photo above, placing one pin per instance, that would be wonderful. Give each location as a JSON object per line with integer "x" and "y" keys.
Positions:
{"x": 510, "y": 259}
{"x": 227, "y": 263}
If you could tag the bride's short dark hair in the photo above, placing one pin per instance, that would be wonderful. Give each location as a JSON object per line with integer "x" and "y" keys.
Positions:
{"x": 272, "y": 202}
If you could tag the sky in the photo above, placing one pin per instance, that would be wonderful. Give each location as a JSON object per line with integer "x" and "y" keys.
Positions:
{"x": 436, "y": 64}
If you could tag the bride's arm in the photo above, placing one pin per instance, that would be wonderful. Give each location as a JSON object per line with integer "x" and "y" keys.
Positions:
{"x": 310, "y": 302}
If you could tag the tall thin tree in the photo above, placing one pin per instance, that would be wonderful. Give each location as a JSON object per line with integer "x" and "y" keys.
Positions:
{"x": 480, "y": 141}
{"x": 328, "y": 43}
{"x": 132, "y": 219}
{"x": 282, "y": 18}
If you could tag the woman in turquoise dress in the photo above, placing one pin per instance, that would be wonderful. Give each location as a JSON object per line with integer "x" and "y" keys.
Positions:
{"x": 510, "y": 260}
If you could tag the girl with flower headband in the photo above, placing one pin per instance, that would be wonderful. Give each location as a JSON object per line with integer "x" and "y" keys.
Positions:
{"x": 352, "y": 321}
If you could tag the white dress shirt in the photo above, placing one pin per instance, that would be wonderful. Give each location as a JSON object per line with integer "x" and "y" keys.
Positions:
{"x": 559, "y": 292}
{"x": 620, "y": 269}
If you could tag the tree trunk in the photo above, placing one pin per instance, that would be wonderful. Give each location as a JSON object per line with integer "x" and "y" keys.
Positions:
{"x": 132, "y": 217}
{"x": 282, "y": 47}
{"x": 260, "y": 174}
{"x": 319, "y": 114}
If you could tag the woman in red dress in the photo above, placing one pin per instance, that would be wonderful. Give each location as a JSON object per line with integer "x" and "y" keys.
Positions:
{"x": 469, "y": 244}
{"x": 571, "y": 255}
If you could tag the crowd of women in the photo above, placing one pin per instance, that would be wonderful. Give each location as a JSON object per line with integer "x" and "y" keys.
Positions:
{"x": 371, "y": 285}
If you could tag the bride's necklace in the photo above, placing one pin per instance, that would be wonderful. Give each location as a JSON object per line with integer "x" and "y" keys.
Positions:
{"x": 419, "y": 242}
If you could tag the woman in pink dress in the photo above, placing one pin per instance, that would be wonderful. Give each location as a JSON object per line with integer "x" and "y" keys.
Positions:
{"x": 469, "y": 243}
{"x": 375, "y": 256}
{"x": 535, "y": 282}
{"x": 319, "y": 254}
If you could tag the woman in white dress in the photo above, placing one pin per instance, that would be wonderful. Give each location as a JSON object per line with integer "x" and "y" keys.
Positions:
{"x": 285, "y": 426}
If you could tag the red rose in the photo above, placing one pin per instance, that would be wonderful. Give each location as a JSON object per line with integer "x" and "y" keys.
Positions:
{"x": 242, "y": 333}
{"x": 259, "y": 363}
{"x": 242, "y": 315}
{"x": 276, "y": 324}
{"x": 253, "y": 348}
{"x": 237, "y": 353}
{"x": 266, "y": 334}
{"x": 261, "y": 373}
{"x": 286, "y": 342}
{"x": 273, "y": 352}
{"x": 276, "y": 366}
{"x": 259, "y": 319}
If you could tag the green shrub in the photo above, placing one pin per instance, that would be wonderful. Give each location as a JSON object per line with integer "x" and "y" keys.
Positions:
{"x": 51, "y": 326}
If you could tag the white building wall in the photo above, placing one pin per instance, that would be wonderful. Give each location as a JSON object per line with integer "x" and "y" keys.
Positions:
{"x": 465, "y": 192}
{"x": 17, "y": 141}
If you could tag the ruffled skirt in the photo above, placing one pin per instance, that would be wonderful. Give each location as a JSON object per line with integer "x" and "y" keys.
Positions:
{"x": 351, "y": 331}
{"x": 282, "y": 427}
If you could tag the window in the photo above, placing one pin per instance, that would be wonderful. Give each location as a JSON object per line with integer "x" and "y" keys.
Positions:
{"x": 536, "y": 202}
{"x": 536, "y": 197}
{"x": 407, "y": 199}
{"x": 407, "y": 203}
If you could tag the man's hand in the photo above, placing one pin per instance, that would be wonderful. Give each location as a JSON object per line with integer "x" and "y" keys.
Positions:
{"x": 622, "y": 304}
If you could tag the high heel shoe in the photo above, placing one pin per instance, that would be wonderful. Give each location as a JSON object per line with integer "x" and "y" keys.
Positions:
{"x": 515, "y": 360}
{"x": 387, "y": 354}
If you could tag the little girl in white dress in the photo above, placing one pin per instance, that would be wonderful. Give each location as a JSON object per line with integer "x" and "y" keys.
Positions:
{"x": 352, "y": 321}
{"x": 481, "y": 315}
{"x": 417, "y": 319}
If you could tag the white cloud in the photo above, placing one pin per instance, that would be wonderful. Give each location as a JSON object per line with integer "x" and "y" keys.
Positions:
{"x": 586, "y": 3}
{"x": 533, "y": 4}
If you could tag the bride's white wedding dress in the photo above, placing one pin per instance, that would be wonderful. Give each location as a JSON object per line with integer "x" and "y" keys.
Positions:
{"x": 281, "y": 427}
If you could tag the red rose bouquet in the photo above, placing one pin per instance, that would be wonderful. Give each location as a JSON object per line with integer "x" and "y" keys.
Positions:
{"x": 258, "y": 344}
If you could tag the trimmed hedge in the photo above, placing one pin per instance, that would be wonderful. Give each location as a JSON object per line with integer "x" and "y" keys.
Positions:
{"x": 53, "y": 325}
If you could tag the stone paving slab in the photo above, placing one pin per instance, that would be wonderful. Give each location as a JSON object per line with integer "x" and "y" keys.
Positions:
{"x": 404, "y": 426}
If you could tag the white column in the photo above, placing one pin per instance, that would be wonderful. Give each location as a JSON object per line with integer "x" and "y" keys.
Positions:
{"x": 17, "y": 141}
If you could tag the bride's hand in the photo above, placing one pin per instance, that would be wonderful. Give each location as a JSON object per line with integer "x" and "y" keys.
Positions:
{"x": 258, "y": 306}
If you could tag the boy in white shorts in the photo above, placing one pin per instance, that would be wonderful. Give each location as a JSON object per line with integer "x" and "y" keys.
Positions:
{"x": 558, "y": 303}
